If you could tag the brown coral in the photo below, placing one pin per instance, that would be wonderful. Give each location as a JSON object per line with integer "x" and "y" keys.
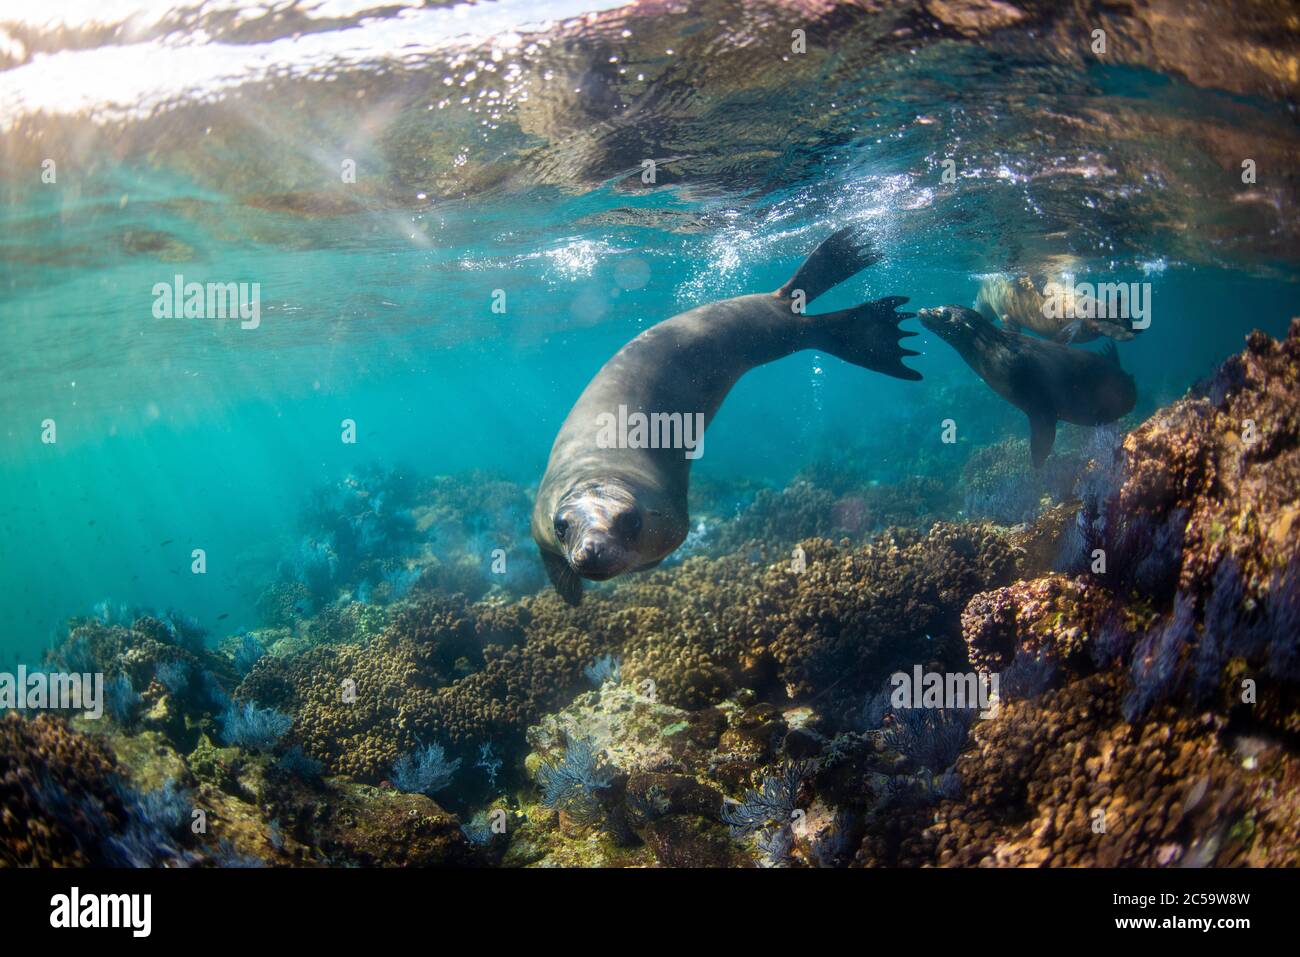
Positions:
{"x": 1064, "y": 781}
{"x": 688, "y": 635}
{"x": 50, "y": 776}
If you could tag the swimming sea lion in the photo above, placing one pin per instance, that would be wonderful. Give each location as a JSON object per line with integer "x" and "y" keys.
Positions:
{"x": 613, "y": 498}
{"x": 1045, "y": 380}
{"x": 1017, "y": 303}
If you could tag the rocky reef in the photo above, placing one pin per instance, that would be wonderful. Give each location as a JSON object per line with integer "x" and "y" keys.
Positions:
{"x": 735, "y": 708}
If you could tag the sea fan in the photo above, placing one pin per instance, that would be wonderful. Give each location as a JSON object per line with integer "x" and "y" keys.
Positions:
{"x": 121, "y": 700}
{"x": 931, "y": 737}
{"x": 173, "y": 675}
{"x": 775, "y": 845}
{"x": 1157, "y": 660}
{"x": 425, "y": 771}
{"x": 249, "y": 652}
{"x": 772, "y": 802}
{"x": 603, "y": 669}
{"x": 575, "y": 782}
{"x": 299, "y": 763}
{"x": 478, "y": 829}
{"x": 253, "y": 728}
{"x": 488, "y": 762}
{"x": 1028, "y": 676}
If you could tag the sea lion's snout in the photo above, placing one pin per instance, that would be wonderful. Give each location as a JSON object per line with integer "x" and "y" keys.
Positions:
{"x": 950, "y": 322}
{"x": 598, "y": 530}
{"x": 597, "y": 557}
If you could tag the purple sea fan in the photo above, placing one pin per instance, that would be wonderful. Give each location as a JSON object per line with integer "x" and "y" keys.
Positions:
{"x": 773, "y": 802}
{"x": 253, "y": 728}
{"x": 1110, "y": 641}
{"x": 1157, "y": 659}
{"x": 1027, "y": 676}
{"x": 425, "y": 771}
{"x": 575, "y": 782}
{"x": 1282, "y": 620}
{"x": 931, "y": 737}
{"x": 1224, "y": 630}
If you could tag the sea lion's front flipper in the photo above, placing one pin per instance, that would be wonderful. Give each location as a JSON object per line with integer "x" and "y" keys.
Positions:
{"x": 841, "y": 255}
{"x": 1042, "y": 433}
{"x": 868, "y": 336}
{"x": 566, "y": 581}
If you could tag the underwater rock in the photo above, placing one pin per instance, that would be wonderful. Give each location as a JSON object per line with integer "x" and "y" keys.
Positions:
{"x": 651, "y": 796}
{"x": 659, "y": 780}
{"x": 974, "y": 17}
{"x": 1053, "y": 615}
{"x": 1063, "y": 780}
{"x": 734, "y": 732}
{"x": 681, "y": 840}
{"x": 149, "y": 759}
{"x": 308, "y": 205}
{"x": 636, "y": 733}
{"x": 1140, "y": 756}
{"x": 373, "y": 827}
{"x": 160, "y": 245}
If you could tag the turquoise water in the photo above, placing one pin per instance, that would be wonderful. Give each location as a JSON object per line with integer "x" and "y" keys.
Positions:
{"x": 376, "y": 297}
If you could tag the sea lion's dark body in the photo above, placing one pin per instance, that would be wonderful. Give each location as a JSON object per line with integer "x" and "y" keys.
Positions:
{"x": 602, "y": 511}
{"x": 1045, "y": 380}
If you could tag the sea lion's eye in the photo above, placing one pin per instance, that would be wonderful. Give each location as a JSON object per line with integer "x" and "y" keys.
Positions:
{"x": 629, "y": 524}
{"x": 561, "y": 528}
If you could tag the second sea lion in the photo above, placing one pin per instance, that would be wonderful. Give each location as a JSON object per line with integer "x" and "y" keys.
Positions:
{"x": 1045, "y": 380}
{"x": 608, "y": 507}
{"x": 1017, "y": 303}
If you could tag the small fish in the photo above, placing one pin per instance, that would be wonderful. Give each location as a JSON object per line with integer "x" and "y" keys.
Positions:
{"x": 167, "y": 542}
{"x": 223, "y": 616}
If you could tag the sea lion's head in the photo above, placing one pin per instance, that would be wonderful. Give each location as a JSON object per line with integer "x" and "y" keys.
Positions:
{"x": 601, "y": 529}
{"x": 955, "y": 325}
{"x": 597, "y": 527}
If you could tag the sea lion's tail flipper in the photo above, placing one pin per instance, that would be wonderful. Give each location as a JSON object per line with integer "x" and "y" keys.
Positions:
{"x": 868, "y": 336}
{"x": 563, "y": 577}
{"x": 1042, "y": 435}
{"x": 842, "y": 254}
